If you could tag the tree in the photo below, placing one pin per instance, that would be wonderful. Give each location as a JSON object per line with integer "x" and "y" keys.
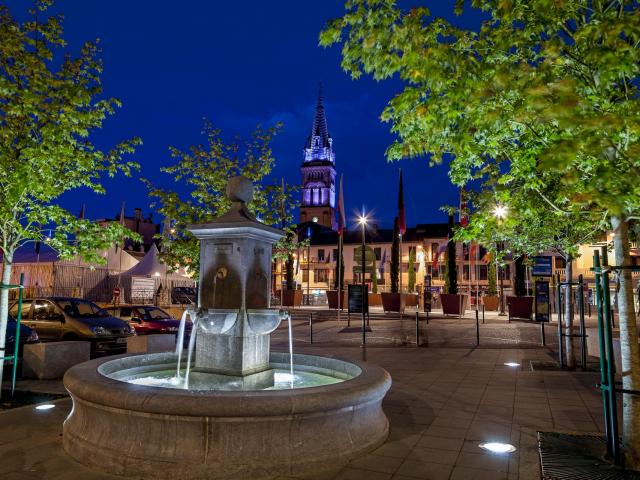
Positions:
{"x": 492, "y": 287}
{"x": 49, "y": 106}
{"x": 394, "y": 269}
{"x": 411, "y": 281}
{"x": 548, "y": 86}
{"x": 451, "y": 266}
{"x": 374, "y": 276}
{"x": 206, "y": 169}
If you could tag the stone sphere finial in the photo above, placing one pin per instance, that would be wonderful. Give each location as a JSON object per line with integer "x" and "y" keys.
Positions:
{"x": 240, "y": 189}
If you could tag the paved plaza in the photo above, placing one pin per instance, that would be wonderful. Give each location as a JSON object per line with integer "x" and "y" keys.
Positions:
{"x": 443, "y": 402}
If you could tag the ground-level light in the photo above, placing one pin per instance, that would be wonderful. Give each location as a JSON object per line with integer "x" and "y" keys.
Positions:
{"x": 498, "y": 447}
{"x": 45, "y": 406}
{"x": 512, "y": 364}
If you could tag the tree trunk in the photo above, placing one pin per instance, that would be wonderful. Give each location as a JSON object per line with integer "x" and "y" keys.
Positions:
{"x": 4, "y": 309}
{"x": 568, "y": 315}
{"x": 628, "y": 345}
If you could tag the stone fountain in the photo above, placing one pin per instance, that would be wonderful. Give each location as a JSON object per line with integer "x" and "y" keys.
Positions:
{"x": 226, "y": 414}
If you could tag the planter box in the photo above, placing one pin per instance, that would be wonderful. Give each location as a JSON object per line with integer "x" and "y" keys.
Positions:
{"x": 332, "y": 299}
{"x": 410, "y": 299}
{"x": 453, "y": 304}
{"x": 392, "y": 302}
{"x": 48, "y": 361}
{"x": 491, "y": 302}
{"x": 154, "y": 343}
{"x": 375, "y": 299}
{"x": 291, "y": 298}
{"x": 520, "y": 307}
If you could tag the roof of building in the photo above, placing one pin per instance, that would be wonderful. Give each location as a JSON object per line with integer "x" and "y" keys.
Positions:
{"x": 321, "y": 235}
{"x": 319, "y": 127}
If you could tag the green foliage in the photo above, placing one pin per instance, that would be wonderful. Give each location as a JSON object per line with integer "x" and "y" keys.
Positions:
{"x": 520, "y": 286}
{"x": 451, "y": 269}
{"x": 541, "y": 103}
{"x": 205, "y": 169}
{"x": 374, "y": 276}
{"x": 412, "y": 270}
{"x": 395, "y": 258}
{"x": 492, "y": 288}
{"x": 50, "y": 103}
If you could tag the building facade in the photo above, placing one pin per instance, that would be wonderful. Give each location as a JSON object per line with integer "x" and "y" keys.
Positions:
{"x": 318, "y": 170}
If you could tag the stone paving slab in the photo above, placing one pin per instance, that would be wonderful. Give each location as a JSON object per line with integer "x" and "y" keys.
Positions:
{"x": 442, "y": 403}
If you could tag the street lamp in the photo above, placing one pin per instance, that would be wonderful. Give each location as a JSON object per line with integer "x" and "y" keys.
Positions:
{"x": 362, "y": 220}
{"x": 500, "y": 212}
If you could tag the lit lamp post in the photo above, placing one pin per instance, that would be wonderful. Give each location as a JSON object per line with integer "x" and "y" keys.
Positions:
{"x": 500, "y": 212}
{"x": 362, "y": 220}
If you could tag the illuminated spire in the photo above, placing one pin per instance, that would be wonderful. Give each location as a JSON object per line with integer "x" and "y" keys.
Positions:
{"x": 319, "y": 144}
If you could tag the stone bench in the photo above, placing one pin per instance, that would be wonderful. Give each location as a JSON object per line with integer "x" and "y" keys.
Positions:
{"x": 50, "y": 360}
{"x": 154, "y": 343}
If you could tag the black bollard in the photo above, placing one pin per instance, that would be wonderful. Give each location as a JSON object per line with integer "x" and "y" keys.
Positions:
{"x": 311, "y": 327}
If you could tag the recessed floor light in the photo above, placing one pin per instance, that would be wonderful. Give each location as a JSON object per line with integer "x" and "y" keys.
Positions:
{"x": 512, "y": 364}
{"x": 45, "y": 406}
{"x": 497, "y": 447}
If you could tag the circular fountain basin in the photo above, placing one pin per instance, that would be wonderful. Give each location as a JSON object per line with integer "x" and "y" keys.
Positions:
{"x": 123, "y": 422}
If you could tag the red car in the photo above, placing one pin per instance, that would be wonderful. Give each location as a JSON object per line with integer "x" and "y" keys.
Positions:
{"x": 146, "y": 319}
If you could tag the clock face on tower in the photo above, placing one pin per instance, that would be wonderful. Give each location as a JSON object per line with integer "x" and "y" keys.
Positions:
{"x": 318, "y": 173}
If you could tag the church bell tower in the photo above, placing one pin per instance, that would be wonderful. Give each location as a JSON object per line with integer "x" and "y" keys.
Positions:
{"x": 319, "y": 173}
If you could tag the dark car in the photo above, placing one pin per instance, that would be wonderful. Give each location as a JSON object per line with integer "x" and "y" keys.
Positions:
{"x": 146, "y": 319}
{"x": 65, "y": 318}
{"x": 27, "y": 335}
{"x": 184, "y": 295}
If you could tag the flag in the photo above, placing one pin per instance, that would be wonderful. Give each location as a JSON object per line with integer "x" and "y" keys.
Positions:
{"x": 402, "y": 221}
{"x": 121, "y": 222}
{"x": 341, "y": 216}
{"x": 383, "y": 261}
{"x": 121, "y": 218}
{"x": 82, "y": 212}
{"x": 441, "y": 250}
{"x": 282, "y": 214}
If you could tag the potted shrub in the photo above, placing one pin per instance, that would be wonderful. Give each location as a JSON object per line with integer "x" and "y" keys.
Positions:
{"x": 491, "y": 300}
{"x": 452, "y": 303}
{"x": 520, "y": 306}
{"x": 375, "y": 299}
{"x": 392, "y": 301}
{"x": 290, "y": 297}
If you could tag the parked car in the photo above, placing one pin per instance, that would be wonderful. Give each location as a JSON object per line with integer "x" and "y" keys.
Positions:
{"x": 27, "y": 335}
{"x": 146, "y": 319}
{"x": 66, "y": 318}
{"x": 184, "y": 295}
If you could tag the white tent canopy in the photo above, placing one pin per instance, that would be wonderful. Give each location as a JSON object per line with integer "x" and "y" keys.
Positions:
{"x": 150, "y": 265}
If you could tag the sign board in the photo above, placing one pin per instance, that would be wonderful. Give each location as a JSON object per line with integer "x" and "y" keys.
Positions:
{"x": 357, "y": 300}
{"x": 542, "y": 266}
{"x": 542, "y": 301}
{"x": 426, "y": 294}
{"x": 142, "y": 289}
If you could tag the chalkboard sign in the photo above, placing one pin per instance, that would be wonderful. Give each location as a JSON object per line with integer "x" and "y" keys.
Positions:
{"x": 542, "y": 301}
{"x": 427, "y": 295}
{"x": 542, "y": 267}
{"x": 356, "y": 300}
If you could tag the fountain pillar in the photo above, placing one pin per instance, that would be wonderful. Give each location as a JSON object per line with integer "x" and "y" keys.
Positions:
{"x": 234, "y": 320}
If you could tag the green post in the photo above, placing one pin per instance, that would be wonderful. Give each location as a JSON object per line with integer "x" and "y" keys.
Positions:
{"x": 611, "y": 365}
{"x": 603, "y": 359}
{"x": 17, "y": 341}
{"x": 560, "y": 335}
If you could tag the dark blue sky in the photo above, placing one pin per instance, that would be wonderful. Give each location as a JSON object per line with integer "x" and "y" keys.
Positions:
{"x": 240, "y": 63}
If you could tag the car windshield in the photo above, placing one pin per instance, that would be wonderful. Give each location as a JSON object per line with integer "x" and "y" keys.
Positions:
{"x": 82, "y": 309}
{"x": 154, "y": 313}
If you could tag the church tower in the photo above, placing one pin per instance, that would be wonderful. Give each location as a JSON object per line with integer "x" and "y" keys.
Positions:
{"x": 319, "y": 173}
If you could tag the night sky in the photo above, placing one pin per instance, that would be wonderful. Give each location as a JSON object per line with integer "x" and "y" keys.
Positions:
{"x": 240, "y": 64}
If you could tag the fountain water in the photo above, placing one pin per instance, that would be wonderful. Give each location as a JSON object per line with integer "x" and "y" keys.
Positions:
{"x": 240, "y": 411}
